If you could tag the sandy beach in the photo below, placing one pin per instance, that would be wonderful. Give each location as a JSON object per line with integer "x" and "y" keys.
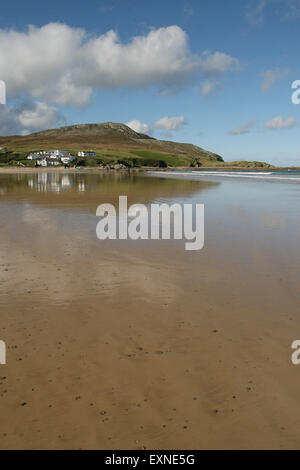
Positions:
{"x": 141, "y": 345}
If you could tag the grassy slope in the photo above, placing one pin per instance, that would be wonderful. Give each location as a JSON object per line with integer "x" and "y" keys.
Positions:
{"x": 107, "y": 153}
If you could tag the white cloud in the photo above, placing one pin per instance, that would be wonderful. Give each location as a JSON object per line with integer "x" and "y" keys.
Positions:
{"x": 28, "y": 117}
{"x": 166, "y": 124}
{"x": 188, "y": 11}
{"x": 209, "y": 86}
{"x": 218, "y": 63}
{"x": 270, "y": 77}
{"x": 213, "y": 66}
{"x": 59, "y": 64}
{"x": 138, "y": 126}
{"x": 38, "y": 116}
{"x": 255, "y": 14}
{"x": 243, "y": 129}
{"x": 256, "y": 10}
{"x": 279, "y": 123}
{"x": 169, "y": 124}
{"x": 293, "y": 10}
{"x": 9, "y": 124}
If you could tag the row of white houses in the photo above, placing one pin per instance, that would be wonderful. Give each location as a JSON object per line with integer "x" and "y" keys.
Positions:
{"x": 56, "y": 157}
{"x": 86, "y": 154}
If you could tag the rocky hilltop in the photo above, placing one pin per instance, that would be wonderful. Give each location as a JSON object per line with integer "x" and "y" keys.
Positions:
{"x": 113, "y": 129}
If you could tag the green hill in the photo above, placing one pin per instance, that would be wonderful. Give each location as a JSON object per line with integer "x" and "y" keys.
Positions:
{"x": 112, "y": 143}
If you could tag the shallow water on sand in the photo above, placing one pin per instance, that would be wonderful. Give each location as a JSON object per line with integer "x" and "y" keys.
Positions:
{"x": 123, "y": 344}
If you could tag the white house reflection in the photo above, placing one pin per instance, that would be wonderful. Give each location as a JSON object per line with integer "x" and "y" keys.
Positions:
{"x": 55, "y": 182}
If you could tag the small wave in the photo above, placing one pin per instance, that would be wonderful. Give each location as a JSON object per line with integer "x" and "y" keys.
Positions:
{"x": 232, "y": 173}
{"x": 254, "y": 175}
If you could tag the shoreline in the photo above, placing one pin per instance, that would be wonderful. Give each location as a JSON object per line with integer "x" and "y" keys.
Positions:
{"x": 13, "y": 169}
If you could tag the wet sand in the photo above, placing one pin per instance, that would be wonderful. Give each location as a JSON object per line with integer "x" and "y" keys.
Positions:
{"x": 133, "y": 345}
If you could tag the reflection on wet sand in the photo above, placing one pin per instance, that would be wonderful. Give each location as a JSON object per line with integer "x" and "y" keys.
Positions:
{"x": 48, "y": 232}
{"x": 133, "y": 345}
{"x": 58, "y": 189}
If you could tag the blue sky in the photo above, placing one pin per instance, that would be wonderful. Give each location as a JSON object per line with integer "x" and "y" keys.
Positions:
{"x": 217, "y": 74}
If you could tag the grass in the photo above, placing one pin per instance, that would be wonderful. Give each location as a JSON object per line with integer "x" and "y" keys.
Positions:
{"x": 18, "y": 153}
{"x": 137, "y": 157}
